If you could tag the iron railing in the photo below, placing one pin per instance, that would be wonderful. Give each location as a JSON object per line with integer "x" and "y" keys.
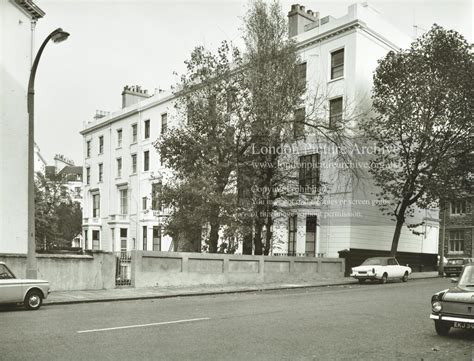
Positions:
{"x": 123, "y": 269}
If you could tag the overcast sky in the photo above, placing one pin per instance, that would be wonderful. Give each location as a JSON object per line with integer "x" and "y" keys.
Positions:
{"x": 116, "y": 43}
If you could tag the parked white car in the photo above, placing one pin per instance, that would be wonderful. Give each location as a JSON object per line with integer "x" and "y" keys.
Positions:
{"x": 381, "y": 269}
{"x": 15, "y": 290}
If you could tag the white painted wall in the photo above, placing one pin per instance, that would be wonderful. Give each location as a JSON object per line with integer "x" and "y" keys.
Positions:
{"x": 360, "y": 227}
{"x": 138, "y": 184}
{"x": 15, "y": 63}
{"x": 365, "y": 227}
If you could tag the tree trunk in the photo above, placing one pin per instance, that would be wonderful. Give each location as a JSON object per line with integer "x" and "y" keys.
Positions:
{"x": 247, "y": 237}
{"x": 258, "y": 236}
{"x": 398, "y": 229}
{"x": 213, "y": 237}
{"x": 214, "y": 232}
{"x": 268, "y": 235}
{"x": 185, "y": 242}
{"x": 197, "y": 240}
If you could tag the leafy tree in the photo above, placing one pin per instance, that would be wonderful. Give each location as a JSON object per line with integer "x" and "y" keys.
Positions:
{"x": 203, "y": 152}
{"x": 69, "y": 216}
{"x": 235, "y": 112}
{"x": 272, "y": 79}
{"x": 423, "y": 98}
{"x": 58, "y": 219}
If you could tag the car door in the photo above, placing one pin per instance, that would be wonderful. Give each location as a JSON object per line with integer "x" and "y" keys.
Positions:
{"x": 394, "y": 269}
{"x": 10, "y": 287}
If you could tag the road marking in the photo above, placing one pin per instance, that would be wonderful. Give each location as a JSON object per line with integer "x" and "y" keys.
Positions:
{"x": 144, "y": 325}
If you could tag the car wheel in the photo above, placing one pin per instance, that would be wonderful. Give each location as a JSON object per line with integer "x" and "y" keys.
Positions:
{"x": 361, "y": 281}
{"x": 405, "y": 277}
{"x": 384, "y": 278}
{"x": 442, "y": 327}
{"x": 33, "y": 300}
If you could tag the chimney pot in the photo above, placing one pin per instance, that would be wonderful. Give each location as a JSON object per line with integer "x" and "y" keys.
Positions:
{"x": 299, "y": 19}
{"x": 133, "y": 94}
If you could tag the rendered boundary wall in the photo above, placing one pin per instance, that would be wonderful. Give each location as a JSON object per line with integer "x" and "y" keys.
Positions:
{"x": 68, "y": 272}
{"x": 162, "y": 269}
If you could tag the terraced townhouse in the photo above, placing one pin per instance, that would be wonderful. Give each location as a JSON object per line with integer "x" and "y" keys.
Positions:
{"x": 123, "y": 174}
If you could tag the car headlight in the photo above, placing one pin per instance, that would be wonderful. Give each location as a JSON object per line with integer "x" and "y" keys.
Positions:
{"x": 436, "y": 306}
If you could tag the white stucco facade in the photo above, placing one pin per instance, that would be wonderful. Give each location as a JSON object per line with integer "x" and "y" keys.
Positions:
{"x": 15, "y": 63}
{"x": 348, "y": 217}
{"x": 364, "y": 38}
{"x": 138, "y": 227}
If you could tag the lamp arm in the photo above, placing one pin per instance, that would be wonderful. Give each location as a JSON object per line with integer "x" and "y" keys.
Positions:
{"x": 31, "y": 81}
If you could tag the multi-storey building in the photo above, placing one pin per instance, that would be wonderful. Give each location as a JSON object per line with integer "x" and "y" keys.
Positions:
{"x": 338, "y": 57}
{"x": 17, "y": 23}
{"x": 122, "y": 175}
{"x": 457, "y": 226}
{"x": 40, "y": 162}
{"x": 457, "y": 218}
{"x": 72, "y": 176}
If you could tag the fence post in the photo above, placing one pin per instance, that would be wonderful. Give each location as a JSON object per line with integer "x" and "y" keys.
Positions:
{"x": 320, "y": 264}
{"x": 225, "y": 266}
{"x": 261, "y": 268}
{"x": 184, "y": 264}
{"x": 133, "y": 267}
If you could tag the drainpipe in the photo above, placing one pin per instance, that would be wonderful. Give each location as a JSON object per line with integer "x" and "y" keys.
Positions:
{"x": 111, "y": 184}
{"x": 139, "y": 206}
{"x": 32, "y": 44}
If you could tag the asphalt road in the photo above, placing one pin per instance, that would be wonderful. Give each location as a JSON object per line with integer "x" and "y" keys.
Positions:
{"x": 368, "y": 322}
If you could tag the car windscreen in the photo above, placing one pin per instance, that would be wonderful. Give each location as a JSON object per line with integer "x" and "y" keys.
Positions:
{"x": 372, "y": 262}
{"x": 455, "y": 261}
{"x": 467, "y": 277}
{"x": 5, "y": 273}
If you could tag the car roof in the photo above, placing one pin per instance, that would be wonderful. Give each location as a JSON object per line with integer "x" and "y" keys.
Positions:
{"x": 380, "y": 258}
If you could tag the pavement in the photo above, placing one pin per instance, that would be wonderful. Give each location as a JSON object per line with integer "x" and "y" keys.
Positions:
{"x": 131, "y": 293}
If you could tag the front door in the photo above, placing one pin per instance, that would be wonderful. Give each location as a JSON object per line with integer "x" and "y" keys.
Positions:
{"x": 310, "y": 250}
{"x": 156, "y": 238}
{"x": 95, "y": 240}
{"x": 123, "y": 239}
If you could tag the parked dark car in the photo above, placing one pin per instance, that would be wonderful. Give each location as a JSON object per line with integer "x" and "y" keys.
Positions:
{"x": 454, "y": 307}
{"x": 453, "y": 267}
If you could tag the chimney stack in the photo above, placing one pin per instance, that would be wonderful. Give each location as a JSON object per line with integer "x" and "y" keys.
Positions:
{"x": 133, "y": 94}
{"x": 298, "y": 18}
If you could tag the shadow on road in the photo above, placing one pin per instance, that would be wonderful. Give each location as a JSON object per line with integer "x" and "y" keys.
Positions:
{"x": 460, "y": 334}
{"x": 11, "y": 308}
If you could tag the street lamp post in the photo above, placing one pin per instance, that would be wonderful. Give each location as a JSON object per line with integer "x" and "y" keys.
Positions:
{"x": 57, "y": 36}
{"x": 443, "y": 240}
